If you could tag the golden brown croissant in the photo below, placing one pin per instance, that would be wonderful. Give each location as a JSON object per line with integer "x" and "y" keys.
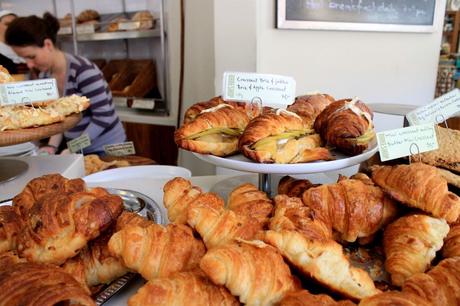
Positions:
{"x": 248, "y": 200}
{"x": 395, "y": 298}
{"x": 29, "y": 284}
{"x": 324, "y": 261}
{"x": 347, "y": 125}
{"x": 410, "y": 244}
{"x": 305, "y": 298}
{"x": 294, "y": 187}
{"x": 11, "y": 225}
{"x": 129, "y": 218}
{"x": 43, "y": 185}
{"x": 60, "y": 224}
{"x": 217, "y": 225}
{"x": 420, "y": 186}
{"x": 281, "y": 137}
{"x": 451, "y": 246}
{"x": 179, "y": 194}
{"x": 251, "y": 270}
{"x": 183, "y": 288}
{"x": 440, "y": 286}
{"x": 351, "y": 207}
{"x": 9, "y": 258}
{"x": 216, "y": 131}
{"x": 292, "y": 214}
{"x": 157, "y": 251}
{"x": 310, "y": 106}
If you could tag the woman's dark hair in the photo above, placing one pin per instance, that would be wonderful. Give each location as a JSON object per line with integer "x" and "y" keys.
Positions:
{"x": 32, "y": 30}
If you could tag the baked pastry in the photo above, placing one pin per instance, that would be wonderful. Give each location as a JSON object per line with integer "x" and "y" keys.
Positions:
{"x": 216, "y": 131}
{"x": 347, "y": 125}
{"x": 11, "y": 226}
{"x": 183, "y": 288}
{"x": 350, "y": 207}
{"x": 40, "y": 284}
{"x": 24, "y": 116}
{"x": 440, "y": 286}
{"x": 323, "y": 261}
{"x": 420, "y": 186}
{"x": 60, "y": 224}
{"x": 281, "y": 137}
{"x": 66, "y": 21}
{"x": 305, "y": 298}
{"x": 451, "y": 246}
{"x": 395, "y": 298}
{"x": 410, "y": 244}
{"x": 309, "y": 106}
{"x": 5, "y": 76}
{"x": 129, "y": 218}
{"x": 8, "y": 259}
{"x": 251, "y": 270}
{"x": 178, "y": 195}
{"x": 157, "y": 251}
{"x": 451, "y": 178}
{"x": 88, "y": 15}
{"x": 145, "y": 19}
{"x": 93, "y": 164}
{"x": 294, "y": 187}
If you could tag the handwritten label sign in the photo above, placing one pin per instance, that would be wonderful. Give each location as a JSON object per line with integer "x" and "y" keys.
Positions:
{"x": 437, "y": 111}
{"x": 269, "y": 88}
{"x": 86, "y": 28}
{"x": 129, "y": 25}
{"x": 397, "y": 143}
{"x": 28, "y": 91}
{"x": 79, "y": 143}
{"x": 143, "y": 103}
{"x": 120, "y": 149}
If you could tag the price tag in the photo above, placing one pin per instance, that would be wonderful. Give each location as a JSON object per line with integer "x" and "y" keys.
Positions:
{"x": 79, "y": 143}
{"x": 397, "y": 143}
{"x": 143, "y": 104}
{"x": 270, "y": 88}
{"x": 120, "y": 149}
{"x": 129, "y": 25}
{"x": 86, "y": 28}
{"x": 28, "y": 91}
{"x": 441, "y": 108}
{"x": 65, "y": 30}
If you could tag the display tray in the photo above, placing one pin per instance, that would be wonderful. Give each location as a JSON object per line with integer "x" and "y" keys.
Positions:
{"x": 241, "y": 163}
{"x": 11, "y": 137}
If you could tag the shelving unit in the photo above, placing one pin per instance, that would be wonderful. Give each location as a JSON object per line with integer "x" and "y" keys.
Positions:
{"x": 451, "y": 36}
{"x": 100, "y": 36}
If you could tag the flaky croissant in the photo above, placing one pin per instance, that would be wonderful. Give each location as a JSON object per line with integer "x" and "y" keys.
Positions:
{"x": 351, "y": 207}
{"x": 183, "y": 288}
{"x": 281, "y": 137}
{"x": 420, "y": 186}
{"x": 29, "y": 284}
{"x": 410, "y": 244}
{"x": 11, "y": 225}
{"x": 251, "y": 270}
{"x": 347, "y": 125}
{"x": 305, "y": 298}
{"x": 440, "y": 286}
{"x": 60, "y": 224}
{"x": 395, "y": 298}
{"x": 8, "y": 259}
{"x": 323, "y": 261}
{"x": 157, "y": 251}
{"x": 309, "y": 106}
{"x": 294, "y": 187}
{"x": 129, "y": 218}
{"x": 451, "y": 246}
{"x": 179, "y": 194}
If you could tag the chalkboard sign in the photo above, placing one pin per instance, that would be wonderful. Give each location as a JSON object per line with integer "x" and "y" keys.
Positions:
{"x": 363, "y": 15}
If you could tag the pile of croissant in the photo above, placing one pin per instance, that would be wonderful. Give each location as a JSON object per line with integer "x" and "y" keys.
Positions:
{"x": 304, "y": 132}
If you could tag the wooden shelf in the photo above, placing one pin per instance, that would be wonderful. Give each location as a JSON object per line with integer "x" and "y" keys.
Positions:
{"x": 452, "y": 36}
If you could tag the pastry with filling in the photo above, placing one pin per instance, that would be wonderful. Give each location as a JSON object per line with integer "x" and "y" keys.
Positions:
{"x": 309, "y": 106}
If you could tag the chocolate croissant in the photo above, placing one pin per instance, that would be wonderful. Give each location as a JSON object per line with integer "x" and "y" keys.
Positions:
{"x": 451, "y": 246}
{"x": 410, "y": 244}
{"x": 11, "y": 225}
{"x": 309, "y": 106}
{"x": 347, "y": 125}
{"x": 281, "y": 137}
{"x": 420, "y": 186}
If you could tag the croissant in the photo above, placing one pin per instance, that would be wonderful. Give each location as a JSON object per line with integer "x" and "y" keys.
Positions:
{"x": 410, "y": 244}
{"x": 129, "y": 218}
{"x": 292, "y": 214}
{"x": 214, "y": 132}
{"x": 440, "y": 286}
{"x": 251, "y": 270}
{"x": 217, "y": 225}
{"x": 323, "y": 261}
{"x": 60, "y": 224}
{"x": 29, "y": 284}
{"x": 157, "y": 251}
{"x": 451, "y": 246}
{"x": 294, "y": 187}
{"x": 11, "y": 226}
{"x": 248, "y": 200}
{"x": 395, "y": 298}
{"x": 179, "y": 194}
{"x": 305, "y": 298}
{"x": 37, "y": 188}
{"x": 309, "y": 106}
{"x": 351, "y": 207}
{"x": 281, "y": 137}
{"x": 183, "y": 288}
{"x": 420, "y": 186}
{"x": 347, "y": 125}
{"x": 9, "y": 258}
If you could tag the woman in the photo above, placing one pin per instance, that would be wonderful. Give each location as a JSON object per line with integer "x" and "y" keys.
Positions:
{"x": 8, "y": 58}
{"x": 34, "y": 39}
